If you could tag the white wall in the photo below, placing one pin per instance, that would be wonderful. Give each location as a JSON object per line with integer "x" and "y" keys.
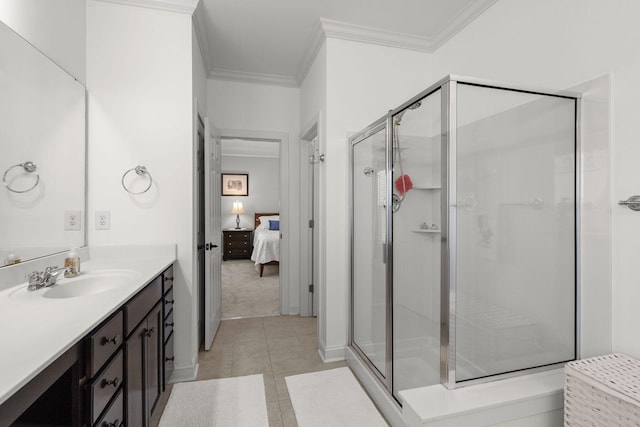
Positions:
{"x": 360, "y": 83}
{"x": 264, "y": 108}
{"x": 58, "y": 29}
{"x": 581, "y": 40}
{"x": 313, "y": 112}
{"x": 264, "y": 189}
{"x": 139, "y": 79}
{"x": 199, "y": 75}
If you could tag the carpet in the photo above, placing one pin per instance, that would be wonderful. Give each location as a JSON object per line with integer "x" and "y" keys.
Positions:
{"x": 227, "y": 402}
{"x": 331, "y": 398}
{"x": 245, "y": 293}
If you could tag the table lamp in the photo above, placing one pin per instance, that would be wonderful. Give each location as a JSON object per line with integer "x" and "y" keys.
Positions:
{"x": 237, "y": 209}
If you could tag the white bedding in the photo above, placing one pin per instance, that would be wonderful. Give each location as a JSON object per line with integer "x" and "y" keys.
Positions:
{"x": 266, "y": 246}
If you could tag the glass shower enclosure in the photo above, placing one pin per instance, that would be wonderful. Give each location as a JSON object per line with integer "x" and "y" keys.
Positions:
{"x": 464, "y": 235}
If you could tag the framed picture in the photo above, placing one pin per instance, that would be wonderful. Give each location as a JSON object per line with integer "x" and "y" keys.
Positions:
{"x": 236, "y": 184}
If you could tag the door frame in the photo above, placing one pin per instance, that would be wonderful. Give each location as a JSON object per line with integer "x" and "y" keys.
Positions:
{"x": 309, "y": 133}
{"x": 285, "y": 269}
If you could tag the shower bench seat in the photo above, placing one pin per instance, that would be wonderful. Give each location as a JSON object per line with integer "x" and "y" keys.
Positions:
{"x": 529, "y": 400}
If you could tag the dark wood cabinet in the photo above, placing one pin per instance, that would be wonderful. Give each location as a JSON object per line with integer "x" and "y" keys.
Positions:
{"x": 144, "y": 352}
{"x": 167, "y": 327}
{"x": 114, "y": 376}
{"x": 144, "y": 379}
{"x": 237, "y": 244}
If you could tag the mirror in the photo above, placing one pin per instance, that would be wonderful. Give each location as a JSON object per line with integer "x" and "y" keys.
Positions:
{"x": 42, "y": 160}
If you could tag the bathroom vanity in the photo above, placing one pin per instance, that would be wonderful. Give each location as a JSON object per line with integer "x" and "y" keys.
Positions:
{"x": 96, "y": 351}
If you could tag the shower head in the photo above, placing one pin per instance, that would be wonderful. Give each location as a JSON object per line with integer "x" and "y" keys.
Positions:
{"x": 413, "y": 106}
{"x": 368, "y": 171}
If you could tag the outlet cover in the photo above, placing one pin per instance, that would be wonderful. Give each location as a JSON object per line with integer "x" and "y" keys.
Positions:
{"x": 72, "y": 220}
{"x": 103, "y": 220}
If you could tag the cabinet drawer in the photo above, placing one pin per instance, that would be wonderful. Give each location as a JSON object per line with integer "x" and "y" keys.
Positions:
{"x": 114, "y": 417}
{"x": 105, "y": 386}
{"x": 237, "y": 252}
{"x": 237, "y": 235}
{"x": 138, "y": 308}
{"x": 167, "y": 279}
{"x": 237, "y": 244}
{"x": 104, "y": 342}
{"x": 168, "y": 325}
{"x": 168, "y": 360}
{"x": 168, "y": 301}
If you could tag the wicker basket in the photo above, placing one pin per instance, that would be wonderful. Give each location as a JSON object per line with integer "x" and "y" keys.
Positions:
{"x": 602, "y": 391}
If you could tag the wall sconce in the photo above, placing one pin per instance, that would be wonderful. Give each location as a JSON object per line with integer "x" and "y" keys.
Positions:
{"x": 237, "y": 209}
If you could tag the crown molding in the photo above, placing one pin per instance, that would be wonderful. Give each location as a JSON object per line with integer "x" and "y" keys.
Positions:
{"x": 317, "y": 40}
{"x": 461, "y": 20}
{"x": 370, "y": 35}
{"x": 245, "y": 77}
{"x": 200, "y": 28}
{"x": 327, "y": 28}
{"x": 180, "y": 6}
{"x": 341, "y": 30}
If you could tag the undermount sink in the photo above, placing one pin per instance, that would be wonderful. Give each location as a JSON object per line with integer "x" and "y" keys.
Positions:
{"x": 90, "y": 283}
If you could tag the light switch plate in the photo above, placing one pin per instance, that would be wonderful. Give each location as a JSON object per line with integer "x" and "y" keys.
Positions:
{"x": 72, "y": 220}
{"x": 103, "y": 220}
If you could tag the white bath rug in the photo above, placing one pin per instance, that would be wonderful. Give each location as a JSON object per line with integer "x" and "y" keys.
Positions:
{"x": 331, "y": 398}
{"x": 227, "y": 402}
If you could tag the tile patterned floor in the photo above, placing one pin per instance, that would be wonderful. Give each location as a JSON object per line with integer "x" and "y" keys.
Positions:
{"x": 275, "y": 346}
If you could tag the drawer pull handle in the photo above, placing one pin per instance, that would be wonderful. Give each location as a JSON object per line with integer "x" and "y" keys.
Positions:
{"x": 115, "y": 340}
{"x": 116, "y": 423}
{"x": 170, "y": 359}
{"x": 168, "y": 279}
{"x": 114, "y": 382}
{"x": 147, "y": 332}
{"x": 169, "y": 324}
{"x": 169, "y": 301}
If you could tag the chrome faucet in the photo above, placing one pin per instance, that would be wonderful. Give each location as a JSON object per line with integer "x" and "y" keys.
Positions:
{"x": 48, "y": 277}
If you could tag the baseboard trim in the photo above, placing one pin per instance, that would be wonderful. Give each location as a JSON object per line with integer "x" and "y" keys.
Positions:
{"x": 184, "y": 373}
{"x": 294, "y": 310}
{"x": 331, "y": 354}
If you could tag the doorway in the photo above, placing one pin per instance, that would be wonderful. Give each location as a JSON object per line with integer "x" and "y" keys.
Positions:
{"x": 251, "y": 278}
{"x": 310, "y": 159}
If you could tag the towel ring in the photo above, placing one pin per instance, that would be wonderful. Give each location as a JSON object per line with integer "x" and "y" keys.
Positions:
{"x": 140, "y": 171}
{"x": 28, "y": 166}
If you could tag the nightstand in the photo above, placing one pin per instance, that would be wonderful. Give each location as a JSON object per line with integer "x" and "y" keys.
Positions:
{"x": 237, "y": 243}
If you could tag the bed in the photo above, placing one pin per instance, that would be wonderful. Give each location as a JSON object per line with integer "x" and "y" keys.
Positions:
{"x": 266, "y": 242}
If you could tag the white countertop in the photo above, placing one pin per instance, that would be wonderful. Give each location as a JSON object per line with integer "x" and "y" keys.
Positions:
{"x": 35, "y": 331}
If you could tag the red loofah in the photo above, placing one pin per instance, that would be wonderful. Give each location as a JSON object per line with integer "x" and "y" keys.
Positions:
{"x": 403, "y": 184}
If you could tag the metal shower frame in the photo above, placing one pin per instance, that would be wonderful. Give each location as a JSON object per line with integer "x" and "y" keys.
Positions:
{"x": 448, "y": 283}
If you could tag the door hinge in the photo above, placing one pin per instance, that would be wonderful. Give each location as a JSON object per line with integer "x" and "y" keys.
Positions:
{"x": 311, "y": 288}
{"x": 311, "y": 223}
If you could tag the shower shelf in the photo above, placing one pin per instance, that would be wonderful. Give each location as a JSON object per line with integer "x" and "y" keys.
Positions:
{"x": 426, "y": 231}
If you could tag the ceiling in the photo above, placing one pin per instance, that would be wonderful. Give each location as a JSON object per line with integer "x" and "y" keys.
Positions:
{"x": 275, "y": 41}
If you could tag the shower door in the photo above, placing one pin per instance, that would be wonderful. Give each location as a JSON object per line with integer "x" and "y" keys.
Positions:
{"x": 416, "y": 184}
{"x": 465, "y": 235}
{"x": 369, "y": 258}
